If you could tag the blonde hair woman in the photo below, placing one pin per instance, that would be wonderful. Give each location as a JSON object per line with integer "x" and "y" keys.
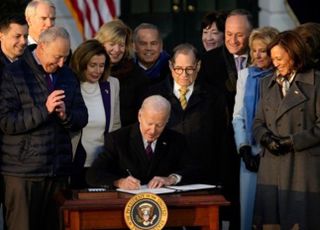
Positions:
{"x": 246, "y": 101}
{"x": 116, "y": 37}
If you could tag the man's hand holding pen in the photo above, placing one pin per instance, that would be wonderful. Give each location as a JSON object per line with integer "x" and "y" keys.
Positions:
{"x": 128, "y": 183}
{"x": 132, "y": 183}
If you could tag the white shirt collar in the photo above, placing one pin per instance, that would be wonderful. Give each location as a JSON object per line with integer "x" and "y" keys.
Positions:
{"x": 31, "y": 40}
{"x": 242, "y": 55}
{"x": 153, "y": 144}
{"x": 176, "y": 88}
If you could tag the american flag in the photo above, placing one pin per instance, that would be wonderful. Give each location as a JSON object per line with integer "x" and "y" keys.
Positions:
{"x": 91, "y": 14}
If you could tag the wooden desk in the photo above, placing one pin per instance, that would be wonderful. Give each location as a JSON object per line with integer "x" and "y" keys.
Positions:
{"x": 184, "y": 209}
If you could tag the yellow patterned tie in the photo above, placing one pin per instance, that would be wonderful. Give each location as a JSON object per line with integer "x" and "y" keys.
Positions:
{"x": 183, "y": 100}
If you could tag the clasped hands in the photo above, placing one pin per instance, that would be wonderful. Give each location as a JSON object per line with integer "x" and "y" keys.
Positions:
{"x": 277, "y": 145}
{"x": 133, "y": 183}
{"x": 56, "y": 104}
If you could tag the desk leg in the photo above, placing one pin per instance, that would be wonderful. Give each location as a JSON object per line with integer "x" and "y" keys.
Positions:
{"x": 213, "y": 212}
{"x": 74, "y": 220}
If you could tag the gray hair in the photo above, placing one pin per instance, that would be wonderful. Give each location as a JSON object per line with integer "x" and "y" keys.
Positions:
{"x": 185, "y": 48}
{"x": 53, "y": 33}
{"x": 156, "y": 103}
{"x": 145, "y": 26}
{"x": 32, "y": 7}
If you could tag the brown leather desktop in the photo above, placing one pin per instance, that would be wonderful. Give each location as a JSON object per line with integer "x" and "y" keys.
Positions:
{"x": 104, "y": 210}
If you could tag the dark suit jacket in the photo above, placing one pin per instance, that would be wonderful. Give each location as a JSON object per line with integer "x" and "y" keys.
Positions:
{"x": 203, "y": 122}
{"x": 133, "y": 86}
{"x": 218, "y": 68}
{"x": 125, "y": 150}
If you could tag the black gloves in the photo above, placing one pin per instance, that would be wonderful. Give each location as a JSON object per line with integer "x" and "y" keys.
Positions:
{"x": 251, "y": 162}
{"x": 277, "y": 145}
{"x": 286, "y": 144}
{"x": 271, "y": 142}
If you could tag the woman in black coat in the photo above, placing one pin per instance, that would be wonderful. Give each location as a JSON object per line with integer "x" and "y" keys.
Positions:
{"x": 117, "y": 40}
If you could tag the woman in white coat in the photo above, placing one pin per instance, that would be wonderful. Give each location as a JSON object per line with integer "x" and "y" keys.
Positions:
{"x": 100, "y": 92}
{"x": 246, "y": 101}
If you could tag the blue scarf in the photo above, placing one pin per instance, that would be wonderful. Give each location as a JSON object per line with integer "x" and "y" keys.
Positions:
{"x": 252, "y": 96}
{"x": 155, "y": 70}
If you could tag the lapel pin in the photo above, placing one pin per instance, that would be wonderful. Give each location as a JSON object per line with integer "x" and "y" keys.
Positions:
{"x": 164, "y": 143}
{"x": 296, "y": 92}
{"x": 107, "y": 91}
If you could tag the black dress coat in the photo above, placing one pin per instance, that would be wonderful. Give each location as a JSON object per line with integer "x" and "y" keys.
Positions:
{"x": 125, "y": 151}
{"x": 203, "y": 122}
{"x": 133, "y": 86}
{"x": 218, "y": 68}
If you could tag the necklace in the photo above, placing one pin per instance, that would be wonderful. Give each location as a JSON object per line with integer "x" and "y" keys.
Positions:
{"x": 89, "y": 88}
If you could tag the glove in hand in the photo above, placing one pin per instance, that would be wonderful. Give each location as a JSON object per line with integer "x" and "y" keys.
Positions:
{"x": 251, "y": 162}
{"x": 271, "y": 142}
{"x": 286, "y": 145}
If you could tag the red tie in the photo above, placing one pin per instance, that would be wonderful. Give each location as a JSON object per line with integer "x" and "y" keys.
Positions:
{"x": 149, "y": 150}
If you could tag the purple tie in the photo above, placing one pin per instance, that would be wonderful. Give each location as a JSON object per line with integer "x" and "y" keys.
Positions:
{"x": 49, "y": 83}
{"x": 239, "y": 62}
{"x": 149, "y": 151}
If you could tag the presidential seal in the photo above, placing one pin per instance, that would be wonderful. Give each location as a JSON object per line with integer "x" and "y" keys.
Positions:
{"x": 146, "y": 211}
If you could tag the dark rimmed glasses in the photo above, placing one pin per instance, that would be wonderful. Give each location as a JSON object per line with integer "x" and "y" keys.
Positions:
{"x": 189, "y": 70}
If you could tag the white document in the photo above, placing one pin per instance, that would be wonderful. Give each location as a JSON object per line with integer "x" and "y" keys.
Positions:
{"x": 169, "y": 189}
{"x": 144, "y": 188}
{"x": 191, "y": 187}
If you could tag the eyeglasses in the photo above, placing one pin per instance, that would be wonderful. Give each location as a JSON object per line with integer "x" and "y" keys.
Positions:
{"x": 189, "y": 70}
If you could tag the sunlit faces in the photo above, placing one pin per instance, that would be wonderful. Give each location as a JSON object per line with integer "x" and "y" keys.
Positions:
{"x": 14, "y": 40}
{"x": 148, "y": 46}
{"x": 43, "y": 19}
{"x": 281, "y": 60}
{"x": 186, "y": 62}
{"x": 95, "y": 68}
{"x": 259, "y": 54}
{"x": 115, "y": 50}
{"x": 53, "y": 55}
{"x": 237, "y": 31}
{"x": 212, "y": 37}
{"x": 152, "y": 123}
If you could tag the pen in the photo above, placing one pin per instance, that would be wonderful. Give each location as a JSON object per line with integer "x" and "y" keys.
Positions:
{"x": 128, "y": 171}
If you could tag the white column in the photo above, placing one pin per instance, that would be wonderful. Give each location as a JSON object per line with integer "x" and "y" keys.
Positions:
{"x": 64, "y": 19}
{"x": 275, "y": 13}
